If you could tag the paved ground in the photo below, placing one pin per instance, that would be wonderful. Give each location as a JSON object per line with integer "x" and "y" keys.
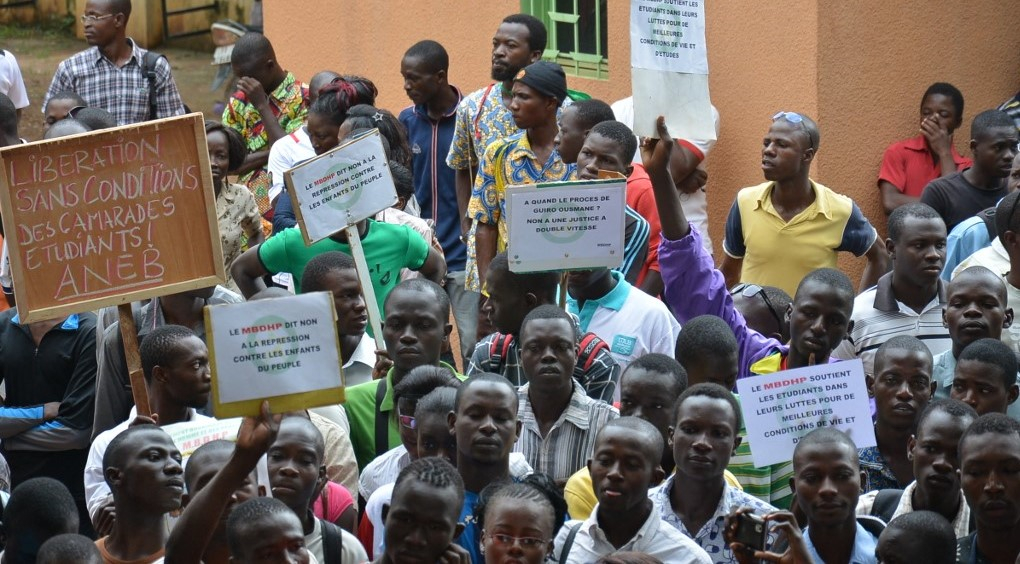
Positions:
{"x": 39, "y": 51}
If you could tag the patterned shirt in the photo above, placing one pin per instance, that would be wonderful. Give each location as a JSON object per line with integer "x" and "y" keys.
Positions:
{"x": 710, "y": 537}
{"x": 122, "y": 91}
{"x": 289, "y": 108}
{"x": 874, "y": 466}
{"x": 570, "y": 441}
{"x": 238, "y": 219}
{"x": 599, "y": 380}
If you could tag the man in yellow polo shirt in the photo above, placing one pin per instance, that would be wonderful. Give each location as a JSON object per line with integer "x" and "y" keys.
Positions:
{"x": 782, "y": 229}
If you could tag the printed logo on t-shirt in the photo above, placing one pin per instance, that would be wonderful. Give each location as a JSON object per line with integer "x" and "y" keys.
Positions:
{"x": 622, "y": 344}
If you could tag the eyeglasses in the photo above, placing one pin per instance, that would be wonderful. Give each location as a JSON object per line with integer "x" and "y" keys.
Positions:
{"x": 797, "y": 119}
{"x": 88, "y": 18}
{"x": 529, "y": 543}
{"x": 408, "y": 422}
{"x": 752, "y": 290}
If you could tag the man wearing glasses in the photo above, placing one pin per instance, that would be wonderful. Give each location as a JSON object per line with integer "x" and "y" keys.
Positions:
{"x": 788, "y": 226}
{"x": 908, "y": 300}
{"x": 111, "y": 74}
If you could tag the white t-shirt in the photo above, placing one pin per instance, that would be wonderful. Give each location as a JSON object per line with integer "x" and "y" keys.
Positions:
{"x": 284, "y": 154}
{"x": 11, "y": 82}
{"x": 695, "y": 205}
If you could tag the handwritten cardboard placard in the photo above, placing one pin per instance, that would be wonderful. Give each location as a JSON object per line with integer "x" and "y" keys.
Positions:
{"x": 342, "y": 187}
{"x": 566, "y": 225}
{"x": 285, "y": 350}
{"x": 782, "y": 407}
{"x": 110, "y": 217}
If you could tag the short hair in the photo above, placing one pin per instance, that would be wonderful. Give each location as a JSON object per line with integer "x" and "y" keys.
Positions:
{"x": 536, "y": 488}
{"x": 827, "y": 436}
{"x": 713, "y": 391}
{"x": 498, "y": 379}
{"x": 954, "y": 408}
{"x": 403, "y": 180}
{"x": 423, "y": 285}
{"x": 431, "y": 53}
{"x": 66, "y": 127}
{"x": 8, "y": 118}
{"x": 248, "y": 513}
{"x": 1005, "y": 211}
{"x": 121, "y": 6}
{"x": 949, "y": 91}
{"x": 250, "y": 47}
{"x": 703, "y": 336}
{"x": 662, "y": 364}
{"x": 366, "y": 115}
{"x": 319, "y": 80}
{"x": 990, "y": 423}
{"x": 807, "y": 125}
{"x": 313, "y": 279}
{"x": 902, "y": 343}
{"x": 990, "y": 119}
{"x": 985, "y": 273}
{"x": 929, "y": 530}
{"x": 270, "y": 293}
{"x": 899, "y": 216}
{"x": 439, "y": 401}
{"x": 835, "y": 279}
{"x": 67, "y": 95}
{"x": 541, "y": 284}
{"x": 318, "y": 443}
{"x": 218, "y": 449}
{"x": 159, "y": 347}
{"x": 622, "y": 135}
{"x": 341, "y": 94}
{"x": 69, "y": 547}
{"x": 421, "y": 380}
{"x": 434, "y": 472}
{"x": 97, "y": 118}
{"x": 117, "y": 451}
{"x": 993, "y": 352}
{"x": 628, "y": 557}
{"x": 549, "y": 311}
{"x": 38, "y": 509}
{"x": 537, "y": 34}
{"x": 648, "y": 431}
{"x": 592, "y": 112}
{"x": 236, "y": 151}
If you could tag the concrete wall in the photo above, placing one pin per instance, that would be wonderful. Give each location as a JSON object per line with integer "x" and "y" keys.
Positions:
{"x": 858, "y": 67}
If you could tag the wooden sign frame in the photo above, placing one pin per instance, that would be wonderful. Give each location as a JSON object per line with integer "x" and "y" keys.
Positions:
{"x": 34, "y": 308}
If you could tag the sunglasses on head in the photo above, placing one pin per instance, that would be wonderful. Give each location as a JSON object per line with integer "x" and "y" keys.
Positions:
{"x": 797, "y": 119}
{"x": 752, "y": 290}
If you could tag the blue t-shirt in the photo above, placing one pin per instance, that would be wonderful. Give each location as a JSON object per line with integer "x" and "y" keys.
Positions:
{"x": 470, "y": 538}
{"x": 434, "y": 186}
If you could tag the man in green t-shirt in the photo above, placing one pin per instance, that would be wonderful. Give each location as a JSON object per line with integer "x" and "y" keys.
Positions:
{"x": 388, "y": 248}
{"x": 415, "y": 326}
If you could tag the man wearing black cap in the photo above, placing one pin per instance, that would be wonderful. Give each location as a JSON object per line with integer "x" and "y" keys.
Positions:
{"x": 528, "y": 157}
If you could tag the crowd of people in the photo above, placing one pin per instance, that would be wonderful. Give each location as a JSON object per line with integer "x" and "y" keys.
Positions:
{"x": 582, "y": 416}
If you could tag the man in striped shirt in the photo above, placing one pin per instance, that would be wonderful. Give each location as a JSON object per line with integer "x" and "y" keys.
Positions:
{"x": 559, "y": 422}
{"x": 908, "y": 300}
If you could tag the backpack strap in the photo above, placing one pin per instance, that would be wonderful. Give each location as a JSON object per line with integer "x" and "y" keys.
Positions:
{"x": 499, "y": 348}
{"x": 382, "y": 427}
{"x": 589, "y": 348}
{"x": 885, "y": 504}
{"x": 569, "y": 543}
{"x": 149, "y": 70}
{"x": 332, "y": 543}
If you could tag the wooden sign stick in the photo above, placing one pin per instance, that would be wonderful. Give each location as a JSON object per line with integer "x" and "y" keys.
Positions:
{"x": 563, "y": 291}
{"x": 129, "y": 338}
{"x": 374, "y": 315}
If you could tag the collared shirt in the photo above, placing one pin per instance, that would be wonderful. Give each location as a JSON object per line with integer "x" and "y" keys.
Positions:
{"x": 968, "y": 237}
{"x": 238, "y": 219}
{"x": 382, "y": 470}
{"x": 909, "y": 165}
{"x": 961, "y": 522}
{"x": 654, "y": 538}
{"x": 358, "y": 368}
{"x": 878, "y": 316}
{"x": 122, "y": 91}
{"x": 11, "y": 82}
{"x": 113, "y": 383}
{"x": 993, "y": 257}
{"x": 571, "y": 439}
{"x": 360, "y": 403}
{"x": 630, "y": 321}
{"x": 710, "y": 536}
{"x": 434, "y": 184}
{"x": 289, "y": 108}
{"x": 876, "y": 469}
{"x": 863, "y": 551}
{"x": 599, "y": 379}
{"x": 510, "y": 162}
{"x": 780, "y": 253}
